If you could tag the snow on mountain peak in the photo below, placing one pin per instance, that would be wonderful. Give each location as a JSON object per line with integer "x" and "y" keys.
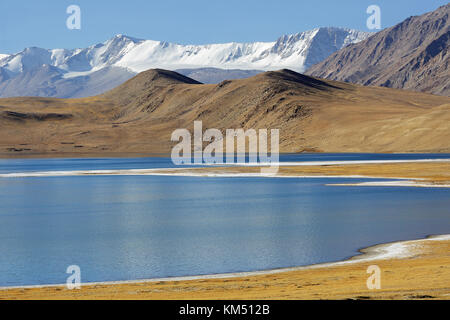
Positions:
{"x": 297, "y": 52}
{"x": 100, "y": 67}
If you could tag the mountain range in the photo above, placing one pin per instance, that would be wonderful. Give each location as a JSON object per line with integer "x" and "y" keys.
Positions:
{"x": 89, "y": 71}
{"x": 314, "y": 112}
{"x": 413, "y": 55}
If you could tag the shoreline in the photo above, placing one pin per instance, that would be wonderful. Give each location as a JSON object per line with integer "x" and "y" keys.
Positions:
{"x": 401, "y": 249}
{"x": 300, "y": 169}
{"x": 404, "y": 183}
{"x": 74, "y": 155}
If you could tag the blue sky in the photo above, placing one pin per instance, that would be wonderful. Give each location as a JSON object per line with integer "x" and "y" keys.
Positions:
{"x": 25, "y": 23}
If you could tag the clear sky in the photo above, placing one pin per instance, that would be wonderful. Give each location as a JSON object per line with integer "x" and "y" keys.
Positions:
{"x": 25, "y": 23}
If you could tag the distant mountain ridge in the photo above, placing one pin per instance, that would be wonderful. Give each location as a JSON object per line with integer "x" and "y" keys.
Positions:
{"x": 74, "y": 73}
{"x": 412, "y": 55}
{"x": 215, "y": 75}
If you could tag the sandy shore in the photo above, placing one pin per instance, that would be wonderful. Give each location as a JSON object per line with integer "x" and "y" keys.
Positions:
{"x": 418, "y": 269}
{"x": 408, "y": 173}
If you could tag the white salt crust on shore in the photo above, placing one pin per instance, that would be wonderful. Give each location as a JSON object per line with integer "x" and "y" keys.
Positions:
{"x": 394, "y": 250}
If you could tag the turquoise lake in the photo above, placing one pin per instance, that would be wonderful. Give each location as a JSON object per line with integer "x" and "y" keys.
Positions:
{"x": 141, "y": 227}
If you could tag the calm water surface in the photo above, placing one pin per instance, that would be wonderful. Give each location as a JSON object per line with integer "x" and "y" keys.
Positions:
{"x": 139, "y": 227}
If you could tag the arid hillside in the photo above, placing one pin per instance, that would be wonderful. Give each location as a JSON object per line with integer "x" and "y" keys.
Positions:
{"x": 412, "y": 55}
{"x": 313, "y": 115}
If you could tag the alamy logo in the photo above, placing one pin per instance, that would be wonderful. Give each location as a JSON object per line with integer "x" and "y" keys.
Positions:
{"x": 73, "y": 22}
{"x": 235, "y": 147}
{"x": 374, "y": 281}
{"x": 374, "y": 21}
{"x": 74, "y": 280}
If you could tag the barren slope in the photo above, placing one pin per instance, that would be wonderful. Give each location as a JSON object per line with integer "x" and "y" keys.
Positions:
{"x": 412, "y": 55}
{"x": 312, "y": 115}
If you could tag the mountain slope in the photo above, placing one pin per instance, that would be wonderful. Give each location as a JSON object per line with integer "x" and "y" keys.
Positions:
{"x": 412, "y": 55}
{"x": 130, "y": 56}
{"x": 49, "y": 81}
{"x": 312, "y": 115}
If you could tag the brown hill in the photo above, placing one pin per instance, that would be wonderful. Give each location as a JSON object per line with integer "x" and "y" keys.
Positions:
{"x": 312, "y": 115}
{"x": 412, "y": 55}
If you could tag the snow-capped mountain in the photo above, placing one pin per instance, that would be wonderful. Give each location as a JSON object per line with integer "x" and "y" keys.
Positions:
{"x": 81, "y": 72}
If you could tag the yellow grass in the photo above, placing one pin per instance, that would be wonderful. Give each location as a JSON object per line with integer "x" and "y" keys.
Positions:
{"x": 432, "y": 172}
{"x": 423, "y": 276}
{"x": 140, "y": 116}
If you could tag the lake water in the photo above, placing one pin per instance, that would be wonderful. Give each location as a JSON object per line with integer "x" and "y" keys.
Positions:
{"x": 140, "y": 227}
